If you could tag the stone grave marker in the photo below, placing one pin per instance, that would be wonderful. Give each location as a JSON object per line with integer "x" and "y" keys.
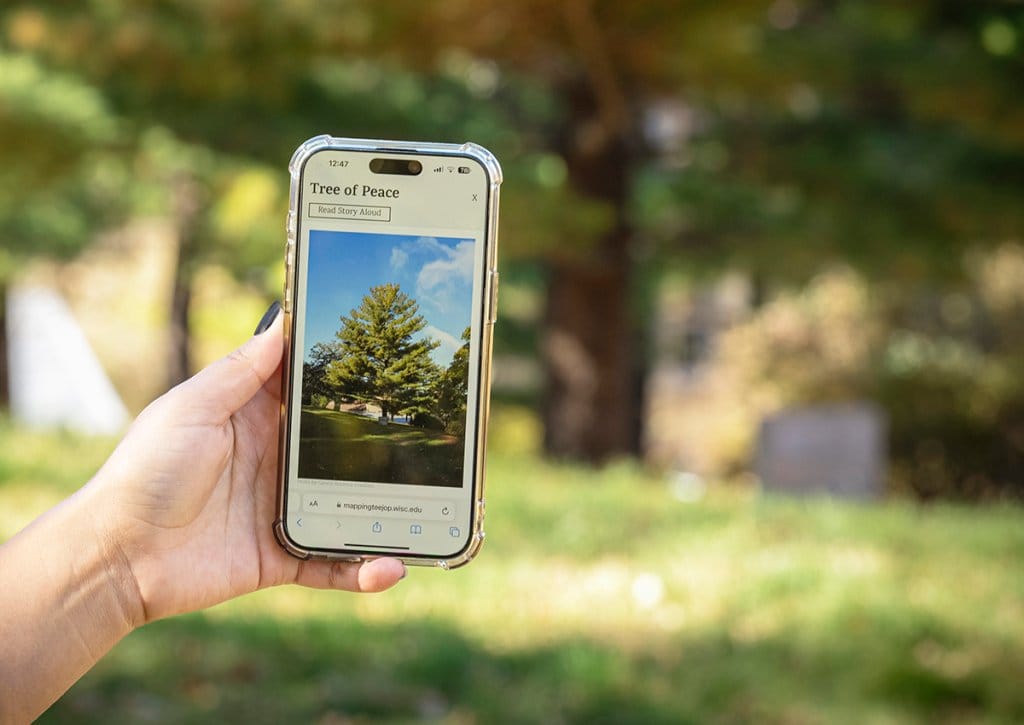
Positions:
{"x": 838, "y": 450}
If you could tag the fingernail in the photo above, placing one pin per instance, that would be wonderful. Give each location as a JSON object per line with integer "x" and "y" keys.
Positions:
{"x": 268, "y": 317}
{"x": 405, "y": 572}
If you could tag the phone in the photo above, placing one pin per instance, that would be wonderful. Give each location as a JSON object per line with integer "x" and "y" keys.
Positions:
{"x": 390, "y": 303}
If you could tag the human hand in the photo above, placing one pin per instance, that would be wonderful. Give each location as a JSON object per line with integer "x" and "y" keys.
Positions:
{"x": 188, "y": 496}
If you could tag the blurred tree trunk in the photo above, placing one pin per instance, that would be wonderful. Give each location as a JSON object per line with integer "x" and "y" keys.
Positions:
{"x": 187, "y": 206}
{"x": 593, "y": 390}
{"x": 179, "y": 362}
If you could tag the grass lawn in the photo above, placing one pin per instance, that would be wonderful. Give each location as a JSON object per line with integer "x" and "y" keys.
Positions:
{"x": 338, "y": 445}
{"x": 598, "y": 598}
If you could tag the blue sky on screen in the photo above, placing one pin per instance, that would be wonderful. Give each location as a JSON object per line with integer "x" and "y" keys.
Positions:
{"x": 437, "y": 272}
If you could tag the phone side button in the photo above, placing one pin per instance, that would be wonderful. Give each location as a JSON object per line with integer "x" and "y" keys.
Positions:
{"x": 289, "y": 262}
{"x": 493, "y": 312}
{"x": 286, "y": 303}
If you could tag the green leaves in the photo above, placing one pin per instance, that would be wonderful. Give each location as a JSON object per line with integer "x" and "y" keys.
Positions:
{"x": 64, "y": 104}
{"x": 452, "y": 389}
{"x": 378, "y": 360}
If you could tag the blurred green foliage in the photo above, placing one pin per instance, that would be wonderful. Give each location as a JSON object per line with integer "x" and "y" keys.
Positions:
{"x": 774, "y": 138}
{"x": 947, "y": 367}
{"x": 885, "y": 136}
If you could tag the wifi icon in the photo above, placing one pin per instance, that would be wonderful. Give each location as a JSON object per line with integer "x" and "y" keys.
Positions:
{"x": 451, "y": 169}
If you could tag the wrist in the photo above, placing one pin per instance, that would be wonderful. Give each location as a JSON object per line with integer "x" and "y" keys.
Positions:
{"x": 66, "y": 600}
{"x": 108, "y": 557}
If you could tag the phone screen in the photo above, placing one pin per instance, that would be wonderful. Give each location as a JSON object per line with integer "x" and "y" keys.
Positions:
{"x": 385, "y": 356}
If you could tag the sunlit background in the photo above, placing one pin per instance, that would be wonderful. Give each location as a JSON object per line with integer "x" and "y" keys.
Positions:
{"x": 757, "y": 448}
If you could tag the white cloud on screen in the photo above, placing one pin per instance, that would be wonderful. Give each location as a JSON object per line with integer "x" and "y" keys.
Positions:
{"x": 398, "y": 258}
{"x": 449, "y": 344}
{"x": 442, "y": 280}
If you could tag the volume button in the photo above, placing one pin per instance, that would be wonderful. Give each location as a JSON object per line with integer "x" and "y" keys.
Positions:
{"x": 493, "y": 312}
{"x": 289, "y": 274}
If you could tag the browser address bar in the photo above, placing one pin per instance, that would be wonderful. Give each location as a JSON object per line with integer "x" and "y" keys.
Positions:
{"x": 378, "y": 507}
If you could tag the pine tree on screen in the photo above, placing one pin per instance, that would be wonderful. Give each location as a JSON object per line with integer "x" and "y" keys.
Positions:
{"x": 380, "y": 361}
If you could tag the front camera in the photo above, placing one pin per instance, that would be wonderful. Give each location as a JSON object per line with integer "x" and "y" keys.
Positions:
{"x": 401, "y": 167}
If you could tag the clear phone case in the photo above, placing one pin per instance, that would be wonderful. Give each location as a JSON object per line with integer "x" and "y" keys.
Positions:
{"x": 493, "y": 169}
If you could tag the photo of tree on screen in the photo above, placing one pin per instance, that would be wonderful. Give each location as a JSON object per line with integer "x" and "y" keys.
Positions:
{"x": 385, "y": 369}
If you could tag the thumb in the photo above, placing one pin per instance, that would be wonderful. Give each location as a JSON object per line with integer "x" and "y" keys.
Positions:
{"x": 231, "y": 382}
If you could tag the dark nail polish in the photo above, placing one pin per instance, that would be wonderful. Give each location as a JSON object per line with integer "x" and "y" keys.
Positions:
{"x": 268, "y": 317}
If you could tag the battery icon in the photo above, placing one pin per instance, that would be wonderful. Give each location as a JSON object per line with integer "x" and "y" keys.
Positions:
{"x": 463, "y": 169}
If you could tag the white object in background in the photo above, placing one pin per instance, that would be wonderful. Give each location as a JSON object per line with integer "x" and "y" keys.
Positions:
{"x": 55, "y": 379}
